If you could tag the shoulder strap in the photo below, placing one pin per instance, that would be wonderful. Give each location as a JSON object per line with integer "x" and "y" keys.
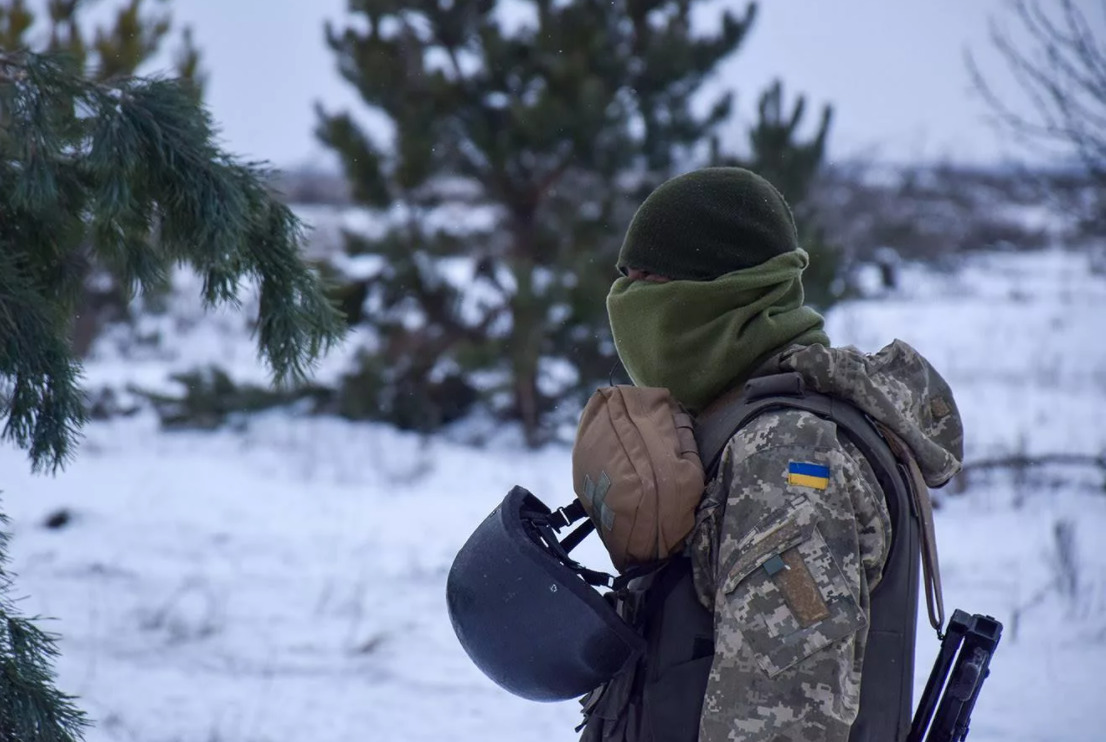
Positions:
{"x": 890, "y": 458}
{"x": 931, "y": 568}
{"x": 732, "y": 411}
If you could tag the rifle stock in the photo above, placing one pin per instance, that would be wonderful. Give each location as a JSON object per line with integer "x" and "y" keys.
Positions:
{"x": 945, "y": 709}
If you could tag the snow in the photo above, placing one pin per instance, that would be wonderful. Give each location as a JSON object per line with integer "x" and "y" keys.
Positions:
{"x": 283, "y": 578}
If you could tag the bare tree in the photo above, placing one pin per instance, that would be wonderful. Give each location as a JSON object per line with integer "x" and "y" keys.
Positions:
{"x": 1058, "y": 60}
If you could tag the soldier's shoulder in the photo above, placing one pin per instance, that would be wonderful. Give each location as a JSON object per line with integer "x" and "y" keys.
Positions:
{"x": 784, "y": 428}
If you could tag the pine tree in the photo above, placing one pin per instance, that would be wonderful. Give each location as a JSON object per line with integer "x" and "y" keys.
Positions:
{"x": 103, "y": 52}
{"x": 124, "y": 172}
{"x": 127, "y": 172}
{"x": 31, "y": 708}
{"x": 515, "y": 156}
{"x": 777, "y": 152}
{"x": 118, "y": 50}
{"x": 100, "y": 170}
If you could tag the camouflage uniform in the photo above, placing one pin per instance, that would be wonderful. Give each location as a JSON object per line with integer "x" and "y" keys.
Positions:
{"x": 787, "y": 564}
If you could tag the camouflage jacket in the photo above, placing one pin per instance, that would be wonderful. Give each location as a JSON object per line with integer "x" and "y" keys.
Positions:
{"x": 791, "y": 538}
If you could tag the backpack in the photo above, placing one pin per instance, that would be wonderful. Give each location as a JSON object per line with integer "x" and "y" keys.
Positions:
{"x": 659, "y": 697}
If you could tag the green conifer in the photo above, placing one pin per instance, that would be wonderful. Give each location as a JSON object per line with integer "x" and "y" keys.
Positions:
{"x": 516, "y": 154}
{"x": 131, "y": 36}
{"x": 127, "y": 172}
{"x": 98, "y": 168}
{"x": 31, "y": 708}
{"x": 124, "y": 172}
{"x": 778, "y": 152}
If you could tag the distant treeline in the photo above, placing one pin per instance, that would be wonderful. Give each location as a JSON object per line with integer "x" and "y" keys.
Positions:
{"x": 921, "y": 212}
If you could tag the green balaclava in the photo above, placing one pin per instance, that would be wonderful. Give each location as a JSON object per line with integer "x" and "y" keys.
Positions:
{"x": 727, "y": 240}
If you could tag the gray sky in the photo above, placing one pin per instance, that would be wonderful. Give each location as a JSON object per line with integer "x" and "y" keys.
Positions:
{"x": 893, "y": 69}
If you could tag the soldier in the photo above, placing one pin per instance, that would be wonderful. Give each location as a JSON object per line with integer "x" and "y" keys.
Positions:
{"x": 793, "y": 532}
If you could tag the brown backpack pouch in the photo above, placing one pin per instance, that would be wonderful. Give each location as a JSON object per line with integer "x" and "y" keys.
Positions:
{"x": 637, "y": 472}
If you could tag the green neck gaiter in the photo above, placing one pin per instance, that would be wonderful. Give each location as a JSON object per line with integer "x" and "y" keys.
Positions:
{"x": 700, "y": 338}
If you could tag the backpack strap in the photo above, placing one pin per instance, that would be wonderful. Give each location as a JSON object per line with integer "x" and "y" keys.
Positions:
{"x": 732, "y": 411}
{"x": 931, "y": 567}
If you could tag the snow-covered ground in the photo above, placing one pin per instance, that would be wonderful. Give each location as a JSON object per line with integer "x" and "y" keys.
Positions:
{"x": 284, "y": 580}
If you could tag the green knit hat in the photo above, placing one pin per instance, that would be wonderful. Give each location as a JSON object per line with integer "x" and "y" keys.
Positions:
{"x": 708, "y": 223}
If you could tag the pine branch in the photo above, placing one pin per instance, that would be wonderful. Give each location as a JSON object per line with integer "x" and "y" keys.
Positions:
{"x": 40, "y": 397}
{"x": 128, "y": 172}
{"x": 31, "y": 708}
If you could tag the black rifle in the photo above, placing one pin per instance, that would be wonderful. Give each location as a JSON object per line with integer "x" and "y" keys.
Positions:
{"x": 945, "y": 709}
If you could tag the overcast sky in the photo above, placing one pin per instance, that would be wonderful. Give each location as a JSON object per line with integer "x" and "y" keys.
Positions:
{"x": 893, "y": 69}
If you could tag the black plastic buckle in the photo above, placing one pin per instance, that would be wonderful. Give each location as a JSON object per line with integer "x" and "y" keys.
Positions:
{"x": 566, "y": 515}
{"x": 559, "y": 519}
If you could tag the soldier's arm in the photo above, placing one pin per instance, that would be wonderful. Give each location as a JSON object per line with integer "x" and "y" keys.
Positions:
{"x": 800, "y": 542}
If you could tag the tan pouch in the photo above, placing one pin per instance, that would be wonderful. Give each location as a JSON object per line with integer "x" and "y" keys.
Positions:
{"x": 637, "y": 471}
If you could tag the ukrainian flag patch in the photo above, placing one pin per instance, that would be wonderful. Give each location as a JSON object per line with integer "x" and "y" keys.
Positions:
{"x": 805, "y": 474}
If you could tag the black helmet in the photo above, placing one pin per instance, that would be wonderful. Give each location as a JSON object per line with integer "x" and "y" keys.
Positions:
{"x": 525, "y": 613}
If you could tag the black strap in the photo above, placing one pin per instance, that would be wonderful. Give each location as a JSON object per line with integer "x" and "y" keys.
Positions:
{"x": 562, "y": 518}
{"x": 572, "y": 540}
{"x": 716, "y": 425}
{"x": 566, "y": 516}
{"x": 546, "y": 524}
{"x": 639, "y": 576}
{"x": 544, "y": 527}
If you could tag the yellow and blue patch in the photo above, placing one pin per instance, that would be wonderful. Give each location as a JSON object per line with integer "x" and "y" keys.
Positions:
{"x": 805, "y": 474}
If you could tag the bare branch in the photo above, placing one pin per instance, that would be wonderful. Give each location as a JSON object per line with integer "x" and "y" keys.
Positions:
{"x": 1060, "y": 69}
{"x": 1047, "y": 459}
{"x": 1093, "y": 57}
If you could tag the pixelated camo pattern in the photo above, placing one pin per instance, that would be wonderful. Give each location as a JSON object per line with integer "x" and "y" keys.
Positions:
{"x": 764, "y": 602}
{"x": 897, "y": 387}
{"x": 789, "y": 643}
{"x": 784, "y": 671}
